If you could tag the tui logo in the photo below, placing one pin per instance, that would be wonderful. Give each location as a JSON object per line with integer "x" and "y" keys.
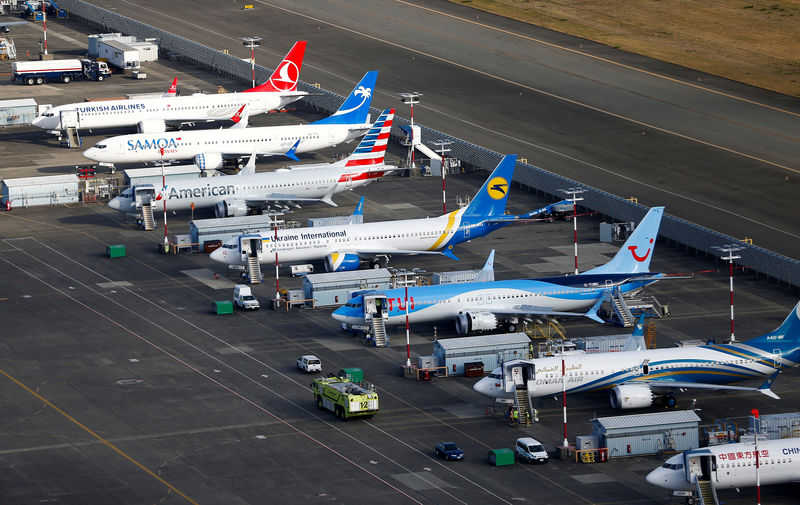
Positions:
{"x": 638, "y": 258}
{"x": 497, "y": 188}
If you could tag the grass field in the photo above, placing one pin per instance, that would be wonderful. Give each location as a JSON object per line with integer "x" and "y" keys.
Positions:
{"x": 754, "y": 42}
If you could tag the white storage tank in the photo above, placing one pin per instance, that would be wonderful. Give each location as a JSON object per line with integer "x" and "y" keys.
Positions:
{"x": 47, "y": 190}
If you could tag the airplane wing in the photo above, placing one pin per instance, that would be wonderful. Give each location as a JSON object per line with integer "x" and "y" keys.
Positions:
{"x": 669, "y": 385}
{"x": 376, "y": 250}
{"x": 546, "y": 311}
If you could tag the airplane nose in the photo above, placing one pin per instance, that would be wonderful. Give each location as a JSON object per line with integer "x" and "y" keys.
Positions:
{"x": 91, "y": 153}
{"x": 656, "y": 477}
{"x": 37, "y": 121}
{"x": 115, "y": 203}
{"x": 218, "y": 255}
{"x": 483, "y": 386}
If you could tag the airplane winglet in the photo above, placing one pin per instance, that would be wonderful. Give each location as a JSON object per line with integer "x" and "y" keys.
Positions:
{"x": 241, "y": 117}
{"x": 250, "y": 168}
{"x": 765, "y": 388}
{"x": 290, "y": 152}
{"x": 328, "y": 196}
{"x": 448, "y": 251}
{"x": 592, "y": 313}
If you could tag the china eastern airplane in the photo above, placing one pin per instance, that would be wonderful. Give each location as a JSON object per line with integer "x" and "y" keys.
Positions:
{"x": 153, "y": 115}
{"x": 730, "y": 466}
{"x": 483, "y": 305}
{"x": 235, "y": 195}
{"x": 342, "y": 247}
{"x": 635, "y": 378}
{"x": 209, "y": 147}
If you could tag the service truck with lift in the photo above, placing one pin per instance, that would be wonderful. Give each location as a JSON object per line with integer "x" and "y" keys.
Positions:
{"x": 344, "y": 398}
{"x": 39, "y": 72}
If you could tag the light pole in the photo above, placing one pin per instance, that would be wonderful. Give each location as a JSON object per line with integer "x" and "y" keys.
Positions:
{"x": 442, "y": 144}
{"x": 164, "y": 197}
{"x": 410, "y": 98}
{"x": 729, "y": 249}
{"x": 574, "y": 199}
{"x": 757, "y": 425}
{"x": 252, "y": 42}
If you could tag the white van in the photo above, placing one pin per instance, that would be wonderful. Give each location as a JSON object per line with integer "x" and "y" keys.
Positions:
{"x": 531, "y": 450}
{"x": 243, "y": 297}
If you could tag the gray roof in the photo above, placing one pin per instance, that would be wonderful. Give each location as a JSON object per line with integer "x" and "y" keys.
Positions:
{"x": 17, "y": 102}
{"x": 352, "y": 275}
{"x": 40, "y": 181}
{"x": 638, "y": 420}
{"x": 233, "y": 222}
{"x": 168, "y": 170}
{"x": 483, "y": 341}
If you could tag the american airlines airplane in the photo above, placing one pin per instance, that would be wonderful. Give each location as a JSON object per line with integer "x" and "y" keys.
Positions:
{"x": 153, "y": 115}
{"x": 730, "y": 466}
{"x": 236, "y": 195}
{"x": 486, "y": 305}
{"x": 209, "y": 147}
{"x": 636, "y": 378}
{"x": 342, "y": 247}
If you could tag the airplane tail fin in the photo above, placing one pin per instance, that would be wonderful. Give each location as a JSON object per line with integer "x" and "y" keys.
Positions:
{"x": 372, "y": 148}
{"x": 355, "y": 108}
{"x": 785, "y": 338}
{"x": 491, "y": 198}
{"x": 286, "y": 75}
{"x": 635, "y": 254}
{"x": 173, "y": 88}
{"x": 358, "y": 212}
{"x": 487, "y": 272}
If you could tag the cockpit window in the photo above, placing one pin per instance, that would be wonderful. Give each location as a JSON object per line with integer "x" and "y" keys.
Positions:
{"x": 495, "y": 376}
{"x": 101, "y": 146}
{"x": 230, "y": 246}
{"x": 673, "y": 466}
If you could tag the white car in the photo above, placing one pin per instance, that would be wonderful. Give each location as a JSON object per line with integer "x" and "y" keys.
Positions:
{"x": 531, "y": 450}
{"x": 309, "y": 363}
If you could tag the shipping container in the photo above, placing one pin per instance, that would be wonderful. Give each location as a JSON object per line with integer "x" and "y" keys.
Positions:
{"x": 491, "y": 350}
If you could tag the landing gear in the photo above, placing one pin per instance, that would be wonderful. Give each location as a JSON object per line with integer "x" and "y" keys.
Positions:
{"x": 691, "y": 500}
{"x": 379, "y": 262}
{"x": 669, "y": 401}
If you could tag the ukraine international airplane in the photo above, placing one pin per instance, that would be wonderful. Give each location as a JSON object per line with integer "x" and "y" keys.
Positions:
{"x": 730, "y": 466}
{"x": 209, "y": 147}
{"x": 342, "y": 247}
{"x": 153, "y": 115}
{"x": 636, "y": 378}
{"x": 486, "y": 305}
{"x": 237, "y": 194}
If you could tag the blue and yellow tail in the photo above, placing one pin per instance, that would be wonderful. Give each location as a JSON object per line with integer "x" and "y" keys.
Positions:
{"x": 635, "y": 254}
{"x": 785, "y": 338}
{"x": 355, "y": 108}
{"x": 491, "y": 200}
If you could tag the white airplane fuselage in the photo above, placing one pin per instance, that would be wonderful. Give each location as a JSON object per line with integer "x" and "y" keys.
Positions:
{"x": 150, "y": 111}
{"x": 731, "y": 466}
{"x": 221, "y": 143}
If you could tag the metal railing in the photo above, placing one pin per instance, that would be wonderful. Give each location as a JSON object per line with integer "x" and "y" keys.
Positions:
{"x": 690, "y": 235}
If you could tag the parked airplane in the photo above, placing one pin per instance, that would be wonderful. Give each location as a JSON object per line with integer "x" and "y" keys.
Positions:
{"x": 209, "y": 147}
{"x": 154, "y": 114}
{"x": 236, "y": 195}
{"x": 486, "y": 305}
{"x": 730, "y": 466}
{"x": 342, "y": 247}
{"x": 636, "y": 378}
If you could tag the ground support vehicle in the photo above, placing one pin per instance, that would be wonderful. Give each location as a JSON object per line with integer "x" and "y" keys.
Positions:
{"x": 344, "y": 398}
{"x": 39, "y": 72}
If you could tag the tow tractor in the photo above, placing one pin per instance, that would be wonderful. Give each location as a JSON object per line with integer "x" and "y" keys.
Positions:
{"x": 344, "y": 398}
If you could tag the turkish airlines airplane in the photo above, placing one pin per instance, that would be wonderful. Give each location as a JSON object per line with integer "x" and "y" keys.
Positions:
{"x": 487, "y": 304}
{"x": 342, "y": 247}
{"x": 236, "y": 195}
{"x": 635, "y": 378}
{"x": 209, "y": 148}
{"x": 153, "y": 115}
{"x": 730, "y": 466}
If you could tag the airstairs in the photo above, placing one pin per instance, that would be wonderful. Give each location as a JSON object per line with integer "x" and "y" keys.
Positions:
{"x": 148, "y": 220}
{"x": 706, "y": 494}
{"x": 73, "y": 137}
{"x": 254, "y": 269}
{"x": 523, "y": 405}
{"x": 619, "y": 307}
{"x": 379, "y": 331}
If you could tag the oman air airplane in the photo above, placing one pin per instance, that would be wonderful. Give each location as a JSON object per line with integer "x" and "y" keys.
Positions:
{"x": 730, "y": 466}
{"x": 153, "y": 115}
{"x": 487, "y": 304}
{"x": 235, "y": 195}
{"x": 209, "y": 147}
{"x": 635, "y": 378}
{"x": 342, "y": 247}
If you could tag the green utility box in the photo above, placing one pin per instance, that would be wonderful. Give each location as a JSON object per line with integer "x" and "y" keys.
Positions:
{"x": 501, "y": 457}
{"x": 353, "y": 374}
{"x": 115, "y": 251}
{"x": 222, "y": 307}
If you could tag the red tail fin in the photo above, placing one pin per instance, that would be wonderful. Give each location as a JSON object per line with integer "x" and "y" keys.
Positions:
{"x": 286, "y": 75}
{"x": 173, "y": 88}
{"x": 238, "y": 116}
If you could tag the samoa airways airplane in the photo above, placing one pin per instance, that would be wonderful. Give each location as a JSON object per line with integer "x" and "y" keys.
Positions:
{"x": 237, "y": 194}
{"x": 342, "y": 247}
{"x": 153, "y": 115}
{"x": 730, "y": 466}
{"x": 636, "y": 378}
{"x": 209, "y": 147}
{"x": 486, "y": 305}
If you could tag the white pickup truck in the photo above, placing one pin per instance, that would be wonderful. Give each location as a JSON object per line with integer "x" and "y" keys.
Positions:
{"x": 309, "y": 363}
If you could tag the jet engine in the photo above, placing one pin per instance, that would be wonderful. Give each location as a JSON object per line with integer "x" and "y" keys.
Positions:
{"x": 208, "y": 161}
{"x": 151, "y": 126}
{"x": 468, "y": 322}
{"x": 342, "y": 262}
{"x": 230, "y": 208}
{"x": 631, "y": 397}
